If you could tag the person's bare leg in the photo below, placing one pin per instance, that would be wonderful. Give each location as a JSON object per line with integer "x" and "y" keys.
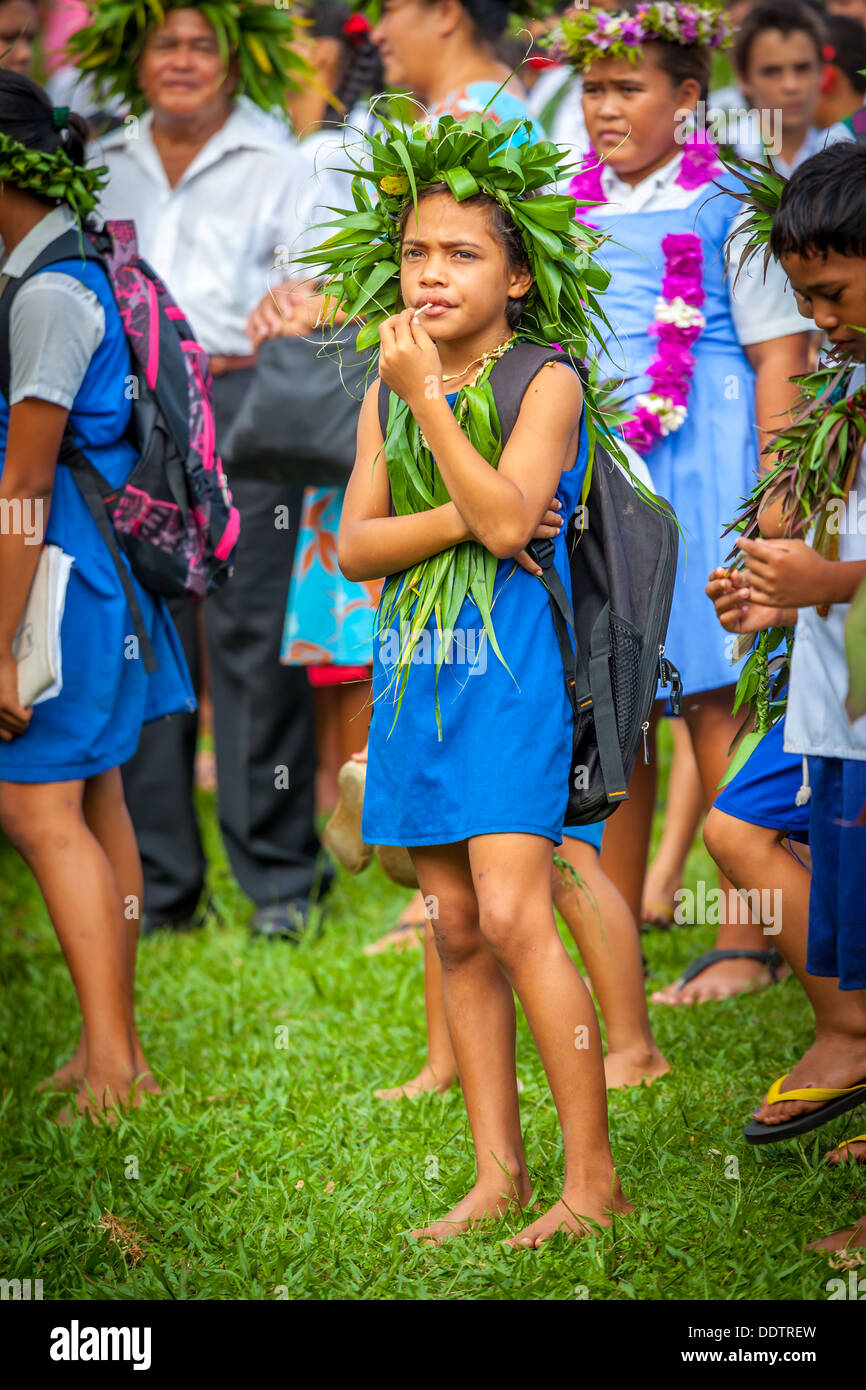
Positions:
{"x": 479, "y": 1006}
{"x": 46, "y": 824}
{"x": 106, "y": 813}
{"x": 606, "y": 934}
{"x": 712, "y": 727}
{"x": 625, "y": 848}
{"x": 439, "y": 1071}
{"x": 512, "y": 877}
{"x": 683, "y": 811}
{"x": 756, "y": 858}
{"x": 328, "y": 746}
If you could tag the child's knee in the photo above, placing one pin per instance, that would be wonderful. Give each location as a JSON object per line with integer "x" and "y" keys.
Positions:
{"x": 457, "y": 936}
{"x": 16, "y": 825}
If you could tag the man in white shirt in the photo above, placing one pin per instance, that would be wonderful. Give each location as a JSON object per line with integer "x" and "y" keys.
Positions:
{"x": 215, "y": 192}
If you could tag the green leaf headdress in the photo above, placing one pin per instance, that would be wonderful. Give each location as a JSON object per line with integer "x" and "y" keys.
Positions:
{"x": 256, "y": 34}
{"x": 51, "y": 175}
{"x": 361, "y": 267}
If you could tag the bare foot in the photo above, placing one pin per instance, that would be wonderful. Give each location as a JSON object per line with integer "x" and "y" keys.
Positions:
{"x": 68, "y": 1077}
{"x": 722, "y": 981}
{"x": 848, "y": 1151}
{"x": 102, "y": 1094}
{"x": 408, "y": 932}
{"x": 834, "y": 1059}
{"x": 487, "y": 1201}
{"x": 426, "y": 1080}
{"x": 853, "y": 1238}
{"x": 660, "y": 885}
{"x": 577, "y": 1207}
{"x": 634, "y": 1068}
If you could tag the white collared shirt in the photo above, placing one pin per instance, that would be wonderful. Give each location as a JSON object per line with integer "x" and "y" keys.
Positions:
{"x": 761, "y": 309}
{"x": 815, "y": 140}
{"x": 815, "y": 720}
{"x": 248, "y": 199}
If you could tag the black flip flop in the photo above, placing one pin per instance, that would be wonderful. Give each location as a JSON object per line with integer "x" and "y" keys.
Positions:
{"x": 837, "y": 1100}
{"x": 771, "y": 959}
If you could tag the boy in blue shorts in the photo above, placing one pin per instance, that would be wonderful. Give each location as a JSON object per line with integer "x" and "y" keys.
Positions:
{"x": 819, "y": 236}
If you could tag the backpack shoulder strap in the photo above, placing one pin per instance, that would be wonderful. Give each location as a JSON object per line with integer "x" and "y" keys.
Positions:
{"x": 510, "y": 378}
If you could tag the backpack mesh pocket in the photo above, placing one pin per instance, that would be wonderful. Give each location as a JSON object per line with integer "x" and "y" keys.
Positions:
{"x": 624, "y": 660}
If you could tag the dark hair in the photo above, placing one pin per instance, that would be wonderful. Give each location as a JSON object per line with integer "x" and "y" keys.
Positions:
{"x": 502, "y": 229}
{"x": 488, "y": 17}
{"x": 847, "y": 37}
{"x": 788, "y": 16}
{"x": 823, "y": 205}
{"x": 26, "y": 113}
{"x": 361, "y": 63}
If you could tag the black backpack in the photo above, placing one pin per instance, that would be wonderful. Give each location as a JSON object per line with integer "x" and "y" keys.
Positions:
{"x": 623, "y": 565}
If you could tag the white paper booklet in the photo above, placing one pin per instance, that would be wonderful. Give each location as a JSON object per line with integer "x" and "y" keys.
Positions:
{"x": 36, "y": 646}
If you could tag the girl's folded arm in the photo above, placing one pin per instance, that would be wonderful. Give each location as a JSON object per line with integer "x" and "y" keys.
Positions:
{"x": 372, "y": 543}
{"x": 504, "y": 505}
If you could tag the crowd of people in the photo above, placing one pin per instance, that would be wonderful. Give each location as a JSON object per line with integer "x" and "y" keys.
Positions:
{"x": 233, "y": 153}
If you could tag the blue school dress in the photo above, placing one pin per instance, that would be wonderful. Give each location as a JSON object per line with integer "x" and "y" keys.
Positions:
{"x": 95, "y": 722}
{"x": 503, "y": 762}
{"x": 710, "y": 463}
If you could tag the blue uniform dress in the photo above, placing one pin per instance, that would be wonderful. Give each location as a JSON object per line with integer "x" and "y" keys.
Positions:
{"x": 95, "y": 722}
{"x": 710, "y": 463}
{"x": 503, "y": 762}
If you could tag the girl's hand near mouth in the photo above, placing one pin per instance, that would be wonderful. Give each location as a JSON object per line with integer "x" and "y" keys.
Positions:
{"x": 409, "y": 360}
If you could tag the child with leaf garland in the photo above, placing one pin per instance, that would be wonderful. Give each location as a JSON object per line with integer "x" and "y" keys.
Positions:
{"x": 61, "y": 796}
{"x": 706, "y": 367}
{"x": 818, "y": 237}
{"x": 472, "y": 726}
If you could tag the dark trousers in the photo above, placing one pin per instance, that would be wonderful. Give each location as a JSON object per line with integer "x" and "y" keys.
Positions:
{"x": 263, "y": 726}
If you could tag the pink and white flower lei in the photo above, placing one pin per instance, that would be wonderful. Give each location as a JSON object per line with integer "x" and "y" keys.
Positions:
{"x": 677, "y": 321}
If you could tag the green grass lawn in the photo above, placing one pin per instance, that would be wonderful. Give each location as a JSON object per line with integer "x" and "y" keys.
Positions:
{"x": 269, "y": 1171}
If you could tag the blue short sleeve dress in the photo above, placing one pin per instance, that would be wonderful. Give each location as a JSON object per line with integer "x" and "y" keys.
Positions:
{"x": 95, "y": 722}
{"x": 503, "y": 761}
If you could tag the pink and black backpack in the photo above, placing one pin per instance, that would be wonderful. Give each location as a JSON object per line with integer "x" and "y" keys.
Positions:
{"x": 173, "y": 517}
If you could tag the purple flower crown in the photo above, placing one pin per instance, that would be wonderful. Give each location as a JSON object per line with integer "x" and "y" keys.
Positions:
{"x": 584, "y": 35}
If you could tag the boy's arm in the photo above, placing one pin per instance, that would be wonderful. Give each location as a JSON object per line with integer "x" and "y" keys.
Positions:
{"x": 790, "y": 574}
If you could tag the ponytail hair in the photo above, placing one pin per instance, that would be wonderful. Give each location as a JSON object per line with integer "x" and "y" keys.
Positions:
{"x": 361, "y": 64}
{"x": 28, "y": 116}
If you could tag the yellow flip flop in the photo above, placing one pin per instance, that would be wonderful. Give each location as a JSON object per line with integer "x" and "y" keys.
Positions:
{"x": 836, "y": 1100}
{"x": 843, "y": 1144}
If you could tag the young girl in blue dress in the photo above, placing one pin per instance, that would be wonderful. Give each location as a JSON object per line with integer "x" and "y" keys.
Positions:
{"x": 482, "y": 808}
{"x": 61, "y": 799}
{"x": 707, "y": 363}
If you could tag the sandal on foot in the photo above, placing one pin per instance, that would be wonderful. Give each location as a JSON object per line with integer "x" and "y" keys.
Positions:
{"x": 843, "y": 1144}
{"x": 403, "y": 936}
{"x": 342, "y": 835}
{"x": 837, "y": 1100}
{"x": 397, "y": 864}
{"x": 772, "y": 959}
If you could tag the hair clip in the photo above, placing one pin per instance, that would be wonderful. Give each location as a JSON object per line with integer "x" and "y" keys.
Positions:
{"x": 60, "y": 117}
{"x": 357, "y": 27}
{"x": 828, "y": 53}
